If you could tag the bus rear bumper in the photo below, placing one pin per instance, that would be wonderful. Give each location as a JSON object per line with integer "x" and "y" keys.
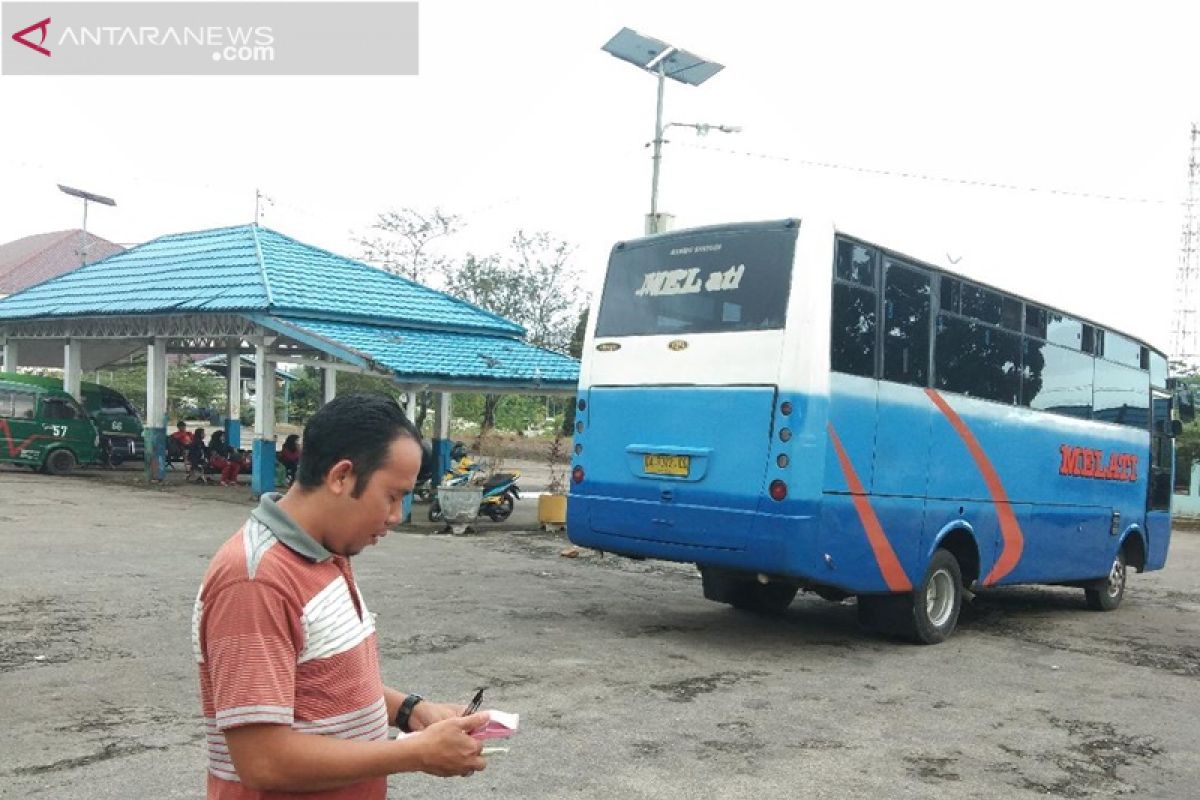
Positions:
{"x": 746, "y": 541}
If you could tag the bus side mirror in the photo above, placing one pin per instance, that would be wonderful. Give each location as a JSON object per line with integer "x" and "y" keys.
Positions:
{"x": 1176, "y": 429}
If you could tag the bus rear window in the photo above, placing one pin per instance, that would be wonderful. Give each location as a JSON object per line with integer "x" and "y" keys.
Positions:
{"x": 701, "y": 283}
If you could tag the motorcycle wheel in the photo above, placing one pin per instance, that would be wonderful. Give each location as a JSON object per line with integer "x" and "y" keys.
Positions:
{"x": 435, "y": 511}
{"x": 502, "y": 509}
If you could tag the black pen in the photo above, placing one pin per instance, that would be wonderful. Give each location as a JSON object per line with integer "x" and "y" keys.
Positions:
{"x": 473, "y": 706}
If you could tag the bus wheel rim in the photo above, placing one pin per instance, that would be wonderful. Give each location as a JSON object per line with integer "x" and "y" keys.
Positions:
{"x": 939, "y": 598}
{"x": 1116, "y": 578}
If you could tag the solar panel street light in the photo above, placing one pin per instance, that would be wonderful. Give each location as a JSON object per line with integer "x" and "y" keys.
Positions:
{"x": 665, "y": 61}
{"x": 85, "y": 196}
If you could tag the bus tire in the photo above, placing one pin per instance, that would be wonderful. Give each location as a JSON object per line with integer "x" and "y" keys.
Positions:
{"x": 1109, "y": 592}
{"x": 929, "y": 614}
{"x": 60, "y": 462}
{"x": 937, "y": 601}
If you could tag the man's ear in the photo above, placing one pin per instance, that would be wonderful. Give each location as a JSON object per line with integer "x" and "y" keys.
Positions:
{"x": 340, "y": 478}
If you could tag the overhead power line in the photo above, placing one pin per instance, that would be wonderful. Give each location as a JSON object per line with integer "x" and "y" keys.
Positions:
{"x": 985, "y": 184}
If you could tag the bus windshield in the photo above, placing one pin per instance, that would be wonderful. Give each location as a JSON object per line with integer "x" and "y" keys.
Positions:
{"x": 703, "y": 282}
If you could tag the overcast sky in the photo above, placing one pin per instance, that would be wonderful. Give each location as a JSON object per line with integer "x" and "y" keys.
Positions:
{"x": 519, "y": 120}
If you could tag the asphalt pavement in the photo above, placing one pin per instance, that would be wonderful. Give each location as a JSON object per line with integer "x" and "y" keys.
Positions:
{"x": 629, "y": 684}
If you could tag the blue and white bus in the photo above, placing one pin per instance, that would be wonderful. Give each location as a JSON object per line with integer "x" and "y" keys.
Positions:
{"x": 791, "y": 407}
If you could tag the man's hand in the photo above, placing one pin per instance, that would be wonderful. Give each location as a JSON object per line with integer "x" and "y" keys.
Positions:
{"x": 445, "y": 747}
{"x": 425, "y": 713}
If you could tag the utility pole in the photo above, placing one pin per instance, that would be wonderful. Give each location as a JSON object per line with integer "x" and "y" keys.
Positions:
{"x": 1185, "y": 335}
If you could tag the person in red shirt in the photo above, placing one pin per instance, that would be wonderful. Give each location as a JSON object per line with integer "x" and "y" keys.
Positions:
{"x": 179, "y": 442}
{"x": 291, "y": 690}
{"x": 181, "y": 435}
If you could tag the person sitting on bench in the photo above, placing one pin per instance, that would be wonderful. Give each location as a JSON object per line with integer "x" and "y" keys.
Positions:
{"x": 225, "y": 458}
{"x": 197, "y": 457}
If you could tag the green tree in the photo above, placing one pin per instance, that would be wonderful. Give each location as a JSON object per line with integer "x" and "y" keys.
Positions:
{"x": 533, "y": 285}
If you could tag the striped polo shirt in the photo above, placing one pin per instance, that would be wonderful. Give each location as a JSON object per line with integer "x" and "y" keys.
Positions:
{"x": 282, "y": 636}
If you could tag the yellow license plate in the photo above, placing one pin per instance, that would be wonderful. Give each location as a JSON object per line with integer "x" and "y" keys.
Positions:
{"x": 668, "y": 465}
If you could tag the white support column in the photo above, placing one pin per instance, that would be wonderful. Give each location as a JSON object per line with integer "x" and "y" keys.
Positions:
{"x": 262, "y": 479}
{"x": 330, "y": 375}
{"x": 443, "y": 415}
{"x": 233, "y": 383}
{"x": 264, "y": 394}
{"x": 156, "y": 384}
{"x": 10, "y": 355}
{"x": 411, "y": 407}
{"x": 155, "y": 431}
{"x": 72, "y": 369}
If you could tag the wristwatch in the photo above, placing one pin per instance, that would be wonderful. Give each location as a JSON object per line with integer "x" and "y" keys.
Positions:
{"x": 405, "y": 711}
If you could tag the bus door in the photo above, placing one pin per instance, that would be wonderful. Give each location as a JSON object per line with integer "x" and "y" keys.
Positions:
{"x": 1160, "y": 480}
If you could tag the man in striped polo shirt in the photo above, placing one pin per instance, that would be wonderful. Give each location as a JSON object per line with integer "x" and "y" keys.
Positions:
{"x": 294, "y": 702}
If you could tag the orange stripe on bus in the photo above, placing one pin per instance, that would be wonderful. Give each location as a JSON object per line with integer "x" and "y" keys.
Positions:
{"x": 1010, "y": 530}
{"x": 885, "y": 556}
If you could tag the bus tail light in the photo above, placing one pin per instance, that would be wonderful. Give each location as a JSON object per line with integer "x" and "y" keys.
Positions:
{"x": 577, "y": 475}
{"x": 778, "y": 490}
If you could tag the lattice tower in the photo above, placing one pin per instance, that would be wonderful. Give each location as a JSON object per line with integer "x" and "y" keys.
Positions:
{"x": 1185, "y": 330}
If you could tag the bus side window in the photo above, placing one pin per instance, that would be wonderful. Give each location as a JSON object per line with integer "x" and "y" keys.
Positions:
{"x": 907, "y": 308}
{"x": 977, "y": 360}
{"x": 853, "y": 330}
{"x": 855, "y": 263}
{"x": 1057, "y": 379}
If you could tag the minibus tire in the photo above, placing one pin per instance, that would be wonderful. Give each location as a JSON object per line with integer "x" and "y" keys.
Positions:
{"x": 942, "y": 589}
{"x": 60, "y": 462}
{"x": 908, "y": 615}
{"x": 1110, "y": 591}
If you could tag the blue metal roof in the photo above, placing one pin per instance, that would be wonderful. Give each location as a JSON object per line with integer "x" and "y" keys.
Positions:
{"x": 439, "y": 357}
{"x": 246, "y": 269}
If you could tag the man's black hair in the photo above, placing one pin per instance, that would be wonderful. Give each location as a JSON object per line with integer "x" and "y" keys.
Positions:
{"x": 355, "y": 427}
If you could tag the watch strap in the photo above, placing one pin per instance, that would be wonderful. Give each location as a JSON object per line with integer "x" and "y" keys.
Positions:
{"x": 404, "y": 713}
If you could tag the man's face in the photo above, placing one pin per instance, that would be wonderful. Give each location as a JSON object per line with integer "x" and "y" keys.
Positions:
{"x": 365, "y": 519}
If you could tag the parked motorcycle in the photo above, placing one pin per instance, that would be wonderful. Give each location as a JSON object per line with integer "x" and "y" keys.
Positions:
{"x": 500, "y": 493}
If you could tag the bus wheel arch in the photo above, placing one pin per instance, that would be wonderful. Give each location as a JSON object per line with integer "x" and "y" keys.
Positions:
{"x": 59, "y": 461}
{"x": 960, "y": 543}
{"x": 1134, "y": 548}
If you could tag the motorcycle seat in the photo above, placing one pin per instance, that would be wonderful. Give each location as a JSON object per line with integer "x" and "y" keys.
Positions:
{"x": 499, "y": 479}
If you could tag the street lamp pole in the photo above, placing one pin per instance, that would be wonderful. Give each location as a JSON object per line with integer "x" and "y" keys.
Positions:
{"x": 85, "y": 197}
{"x": 663, "y": 61}
{"x": 658, "y": 134}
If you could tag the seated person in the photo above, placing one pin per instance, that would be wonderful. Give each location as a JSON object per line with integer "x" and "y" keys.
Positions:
{"x": 197, "y": 456}
{"x": 289, "y": 457}
{"x": 225, "y": 458}
{"x": 178, "y": 442}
